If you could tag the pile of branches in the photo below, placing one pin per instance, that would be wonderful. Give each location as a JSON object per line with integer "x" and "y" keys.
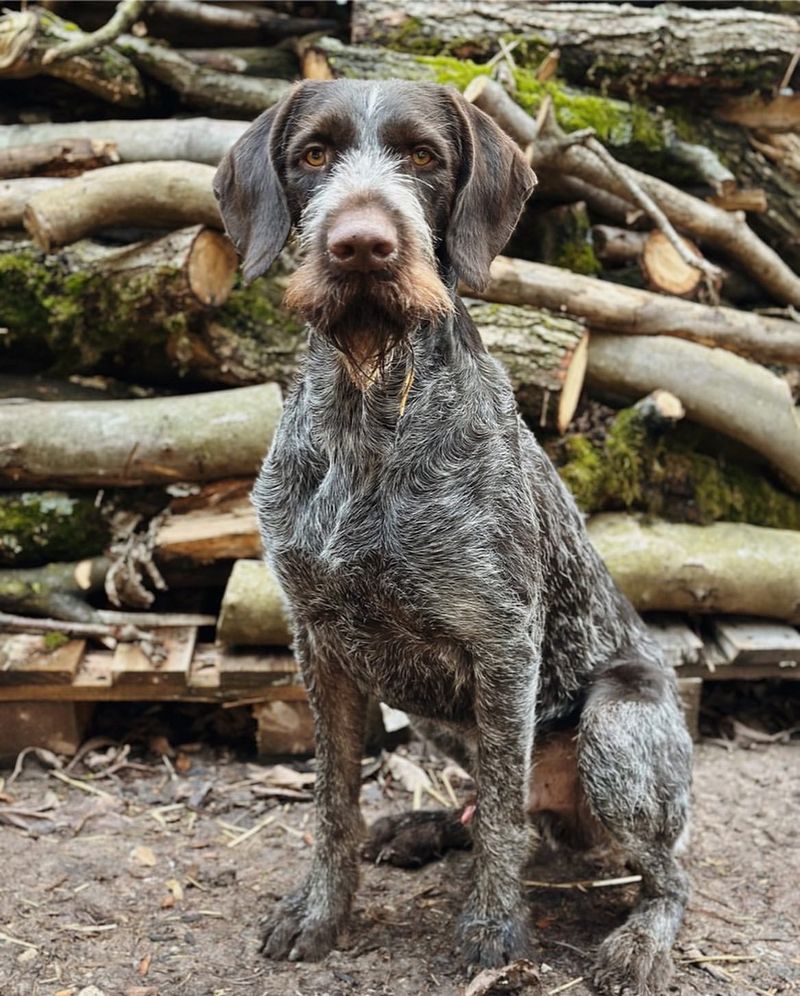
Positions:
{"x": 646, "y": 307}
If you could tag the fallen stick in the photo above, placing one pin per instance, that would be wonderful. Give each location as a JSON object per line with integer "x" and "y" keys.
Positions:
{"x": 156, "y": 194}
{"x": 124, "y": 633}
{"x": 224, "y": 17}
{"x": 197, "y": 437}
{"x": 126, "y": 12}
{"x": 726, "y": 232}
{"x": 613, "y": 307}
{"x": 68, "y": 157}
{"x": 200, "y": 140}
{"x": 680, "y": 568}
{"x": 27, "y": 35}
{"x": 202, "y": 87}
{"x": 718, "y": 389}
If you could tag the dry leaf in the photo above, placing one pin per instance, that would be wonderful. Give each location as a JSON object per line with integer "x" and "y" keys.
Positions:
{"x": 167, "y": 902}
{"x": 144, "y": 855}
{"x": 175, "y": 888}
{"x": 144, "y": 965}
{"x": 410, "y": 775}
{"x": 182, "y": 763}
{"x": 518, "y": 977}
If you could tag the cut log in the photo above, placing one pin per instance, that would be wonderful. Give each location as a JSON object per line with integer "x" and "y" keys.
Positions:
{"x": 544, "y": 354}
{"x": 68, "y": 157}
{"x": 152, "y": 441}
{"x": 718, "y": 389}
{"x": 214, "y": 531}
{"x": 618, "y": 246}
{"x": 638, "y": 463}
{"x": 199, "y": 140}
{"x": 214, "y": 17}
{"x": 198, "y": 86}
{"x": 664, "y": 50}
{"x": 709, "y": 225}
{"x": 253, "y": 609}
{"x": 15, "y": 194}
{"x": 55, "y": 590}
{"x": 41, "y": 527}
{"x": 92, "y": 303}
{"x": 615, "y": 308}
{"x": 680, "y": 568}
{"x": 26, "y": 35}
{"x": 148, "y": 195}
{"x": 664, "y": 269}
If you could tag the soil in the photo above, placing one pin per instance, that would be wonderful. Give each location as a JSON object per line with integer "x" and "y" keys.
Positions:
{"x": 137, "y": 891}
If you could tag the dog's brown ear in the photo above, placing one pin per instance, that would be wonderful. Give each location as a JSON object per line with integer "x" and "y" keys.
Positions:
{"x": 249, "y": 189}
{"x": 493, "y": 185}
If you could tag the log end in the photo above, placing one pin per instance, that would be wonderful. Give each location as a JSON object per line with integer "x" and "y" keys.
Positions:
{"x": 212, "y": 267}
{"x": 664, "y": 268}
{"x": 573, "y": 384}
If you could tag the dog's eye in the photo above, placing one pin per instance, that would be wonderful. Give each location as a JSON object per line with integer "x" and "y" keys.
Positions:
{"x": 422, "y": 156}
{"x": 315, "y": 156}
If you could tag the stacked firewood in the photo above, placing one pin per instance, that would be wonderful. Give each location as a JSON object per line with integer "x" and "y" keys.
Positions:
{"x": 647, "y": 307}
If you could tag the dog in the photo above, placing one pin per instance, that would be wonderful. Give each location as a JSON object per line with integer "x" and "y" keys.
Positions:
{"x": 427, "y": 549}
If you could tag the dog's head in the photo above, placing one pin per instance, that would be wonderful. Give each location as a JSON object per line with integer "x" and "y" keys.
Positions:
{"x": 392, "y": 187}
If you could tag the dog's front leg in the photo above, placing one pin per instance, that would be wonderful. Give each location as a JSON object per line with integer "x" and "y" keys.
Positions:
{"x": 306, "y": 924}
{"x": 493, "y": 928}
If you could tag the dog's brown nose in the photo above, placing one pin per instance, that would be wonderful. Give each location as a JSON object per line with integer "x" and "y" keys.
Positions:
{"x": 362, "y": 240}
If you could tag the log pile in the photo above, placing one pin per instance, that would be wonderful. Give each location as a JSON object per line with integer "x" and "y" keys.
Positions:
{"x": 646, "y": 307}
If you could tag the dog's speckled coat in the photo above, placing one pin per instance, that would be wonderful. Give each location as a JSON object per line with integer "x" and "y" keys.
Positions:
{"x": 427, "y": 548}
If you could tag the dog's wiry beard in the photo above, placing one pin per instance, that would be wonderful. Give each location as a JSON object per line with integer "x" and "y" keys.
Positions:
{"x": 367, "y": 316}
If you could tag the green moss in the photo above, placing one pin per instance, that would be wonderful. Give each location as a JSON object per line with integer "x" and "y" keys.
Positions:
{"x": 43, "y": 526}
{"x": 54, "y": 641}
{"x": 667, "y": 477}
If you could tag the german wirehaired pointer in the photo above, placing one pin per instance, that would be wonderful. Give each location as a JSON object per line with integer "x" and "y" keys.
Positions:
{"x": 428, "y": 551}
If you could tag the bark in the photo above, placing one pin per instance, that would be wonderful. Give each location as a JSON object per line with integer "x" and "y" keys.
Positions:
{"x": 56, "y": 590}
{"x": 665, "y": 50}
{"x": 92, "y": 305}
{"x": 218, "y": 17}
{"x": 253, "y": 608}
{"x": 718, "y": 389}
{"x": 156, "y": 194}
{"x": 25, "y": 37}
{"x": 152, "y": 441}
{"x": 683, "y": 568}
{"x": 15, "y": 194}
{"x": 615, "y": 308}
{"x": 709, "y": 225}
{"x": 544, "y": 354}
{"x": 781, "y": 113}
{"x": 277, "y": 61}
{"x": 200, "y": 87}
{"x": 618, "y": 246}
{"x": 643, "y": 463}
{"x": 199, "y": 140}
{"x": 69, "y": 157}
{"x": 631, "y": 130}
{"x": 40, "y": 527}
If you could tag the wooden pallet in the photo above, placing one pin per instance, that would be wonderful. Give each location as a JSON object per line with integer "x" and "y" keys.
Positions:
{"x": 178, "y": 668}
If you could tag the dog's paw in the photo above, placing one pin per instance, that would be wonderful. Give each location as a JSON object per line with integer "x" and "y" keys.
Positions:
{"x": 296, "y": 931}
{"x": 630, "y": 963}
{"x": 489, "y": 942}
{"x": 410, "y": 840}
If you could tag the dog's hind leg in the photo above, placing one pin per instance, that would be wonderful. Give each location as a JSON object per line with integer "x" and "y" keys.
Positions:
{"x": 634, "y": 759}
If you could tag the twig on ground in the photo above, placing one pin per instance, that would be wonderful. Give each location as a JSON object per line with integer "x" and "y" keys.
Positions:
{"x": 583, "y": 885}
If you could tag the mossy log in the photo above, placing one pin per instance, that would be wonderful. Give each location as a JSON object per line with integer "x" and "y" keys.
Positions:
{"x": 253, "y": 610}
{"x": 57, "y": 590}
{"x": 91, "y": 304}
{"x": 40, "y": 527}
{"x": 718, "y": 389}
{"x": 726, "y": 567}
{"x": 711, "y": 226}
{"x": 198, "y": 437}
{"x": 148, "y": 195}
{"x": 199, "y": 140}
{"x": 634, "y": 132}
{"x": 26, "y": 35}
{"x": 637, "y": 466}
{"x": 615, "y": 308}
{"x": 665, "y": 50}
{"x": 198, "y": 86}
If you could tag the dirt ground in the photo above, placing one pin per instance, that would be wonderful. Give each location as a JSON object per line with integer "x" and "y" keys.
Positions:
{"x": 141, "y": 886}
